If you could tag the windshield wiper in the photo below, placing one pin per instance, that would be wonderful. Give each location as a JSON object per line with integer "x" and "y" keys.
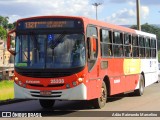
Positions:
{"x": 57, "y": 41}
{"x": 25, "y": 56}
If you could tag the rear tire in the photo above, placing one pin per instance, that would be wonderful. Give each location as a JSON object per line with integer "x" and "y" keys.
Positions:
{"x": 158, "y": 81}
{"x": 47, "y": 103}
{"x": 100, "y": 102}
{"x": 140, "y": 91}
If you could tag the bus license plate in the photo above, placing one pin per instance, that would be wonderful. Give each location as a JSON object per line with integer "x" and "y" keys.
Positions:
{"x": 45, "y": 93}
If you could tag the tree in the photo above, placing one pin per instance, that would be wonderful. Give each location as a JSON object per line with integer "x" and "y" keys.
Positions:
{"x": 11, "y": 26}
{"x": 4, "y": 22}
{"x": 3, "y": 33}
{"x": 150, "y": 29}
{"x": 4, "y": 26}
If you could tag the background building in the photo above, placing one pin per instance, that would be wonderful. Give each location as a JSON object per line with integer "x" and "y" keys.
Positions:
{"x": 6, "y": 62}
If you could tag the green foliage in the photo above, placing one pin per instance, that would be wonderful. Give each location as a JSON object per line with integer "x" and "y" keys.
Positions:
{"x": 150, "y": 29}
{"x": 3, "y": 33}
{"x": 11, "y": 26}
{"x": 4, "y": 22}
{"x": 4, "y": 26}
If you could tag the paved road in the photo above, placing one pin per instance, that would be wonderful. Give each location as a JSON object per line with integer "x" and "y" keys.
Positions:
{"x": 150, "y": 101}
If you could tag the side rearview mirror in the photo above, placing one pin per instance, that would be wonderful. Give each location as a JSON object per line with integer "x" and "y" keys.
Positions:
{"x": 92, "y": 48}
{"x": 9, "y": 38}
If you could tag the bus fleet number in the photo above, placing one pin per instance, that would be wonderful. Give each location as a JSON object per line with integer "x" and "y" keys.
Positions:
{"x": 57, "y": 81}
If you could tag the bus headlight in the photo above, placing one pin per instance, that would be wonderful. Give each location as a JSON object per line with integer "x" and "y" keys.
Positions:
{"x": 16, "y": 78}
{"x": 80, "y": 80}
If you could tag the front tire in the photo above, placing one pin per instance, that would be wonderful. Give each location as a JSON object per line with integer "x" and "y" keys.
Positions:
{"x": 140, "y": 91}
{"x": 100, "y": 102}
{"x": 47, "y": 103}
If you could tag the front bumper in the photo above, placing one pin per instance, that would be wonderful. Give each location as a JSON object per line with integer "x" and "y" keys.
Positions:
{"x": 77, "y": 93}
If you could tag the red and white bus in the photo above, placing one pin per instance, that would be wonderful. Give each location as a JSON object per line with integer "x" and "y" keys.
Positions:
{"x": 76, "y": 58}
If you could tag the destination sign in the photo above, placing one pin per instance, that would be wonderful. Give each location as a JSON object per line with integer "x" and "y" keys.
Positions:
{"x": 49, "y": 24}
{"x": 54, "y": 23}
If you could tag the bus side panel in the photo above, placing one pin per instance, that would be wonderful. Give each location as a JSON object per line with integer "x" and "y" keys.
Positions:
{"x": 94, "y": 82}
{"x": 131, "y": 82}
{"x": 123, "y": 74}
{"x": 149, "y": 67}
{"x": 93, "y": 89}
{"x": 132, "y": 72}
{"x": 115, "y": 74}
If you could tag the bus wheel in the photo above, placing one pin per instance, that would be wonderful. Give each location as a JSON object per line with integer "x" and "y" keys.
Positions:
{"x": 47, "y": 103}
{"x": 100, "y": 102}
{"x": 140, "y": 91}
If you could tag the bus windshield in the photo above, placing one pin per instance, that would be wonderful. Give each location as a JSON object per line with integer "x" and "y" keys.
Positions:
{"x": 50, "y": 51}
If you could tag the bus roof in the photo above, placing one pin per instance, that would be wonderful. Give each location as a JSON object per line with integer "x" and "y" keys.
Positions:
{"x": 97, "y": 23}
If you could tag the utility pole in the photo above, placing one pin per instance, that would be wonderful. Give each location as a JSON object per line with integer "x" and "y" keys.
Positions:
{"x": 138, "y": 14}
{"x": 96, "y": 5}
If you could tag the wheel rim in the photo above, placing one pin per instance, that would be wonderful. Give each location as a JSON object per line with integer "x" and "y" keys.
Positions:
{"x": 103, "y": 95}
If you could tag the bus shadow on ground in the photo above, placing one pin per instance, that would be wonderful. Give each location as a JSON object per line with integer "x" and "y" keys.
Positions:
{"x": 71, "y": 108}
{"x": 120, "y": 96}
{"x": 67, "y": 109}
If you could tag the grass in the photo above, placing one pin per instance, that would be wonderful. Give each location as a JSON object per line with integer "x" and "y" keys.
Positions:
{"x": 6, "y": 90}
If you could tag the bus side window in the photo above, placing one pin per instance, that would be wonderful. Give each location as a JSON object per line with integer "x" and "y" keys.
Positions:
{"x": 153, "y": 48}
{"x": 147, "y": 47}
{"x": 127, "y": 45}
{"x": 135, "y": 49}
{"x": 106, "y": 43}
{"x": 142, "y": 46}
{"x": 118, "y": 44}
{"x": 92, "y": 32}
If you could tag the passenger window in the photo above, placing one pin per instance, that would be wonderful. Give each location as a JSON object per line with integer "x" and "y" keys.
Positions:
{"x": 153, "y": 48}
{"x": 135, "y": 51}
{"x": 148, "y": 53}
{"x": 142, "y": 52}
{"x": 106, "y": 43}
{"x": 126, "y": 39}
{"x": 117, "y": 38}
{"x": 127, "y": 45}
{"x": 153, "y": 43}
{"x": 147, "y": 42}
{"x": 141, "y": 41}
{"x": 135, "y": 40}
{"x": 92, "y": 31}
{"x": 106, "y": 50}
{"x": 106, "y": 36}
{"x": 118, "y": 50}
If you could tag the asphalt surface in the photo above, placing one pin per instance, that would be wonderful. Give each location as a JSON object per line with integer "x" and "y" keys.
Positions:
{"x": 150, "y": 101}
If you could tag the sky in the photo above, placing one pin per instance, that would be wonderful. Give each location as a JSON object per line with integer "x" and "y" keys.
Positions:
{"x": 120, "y": 12}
